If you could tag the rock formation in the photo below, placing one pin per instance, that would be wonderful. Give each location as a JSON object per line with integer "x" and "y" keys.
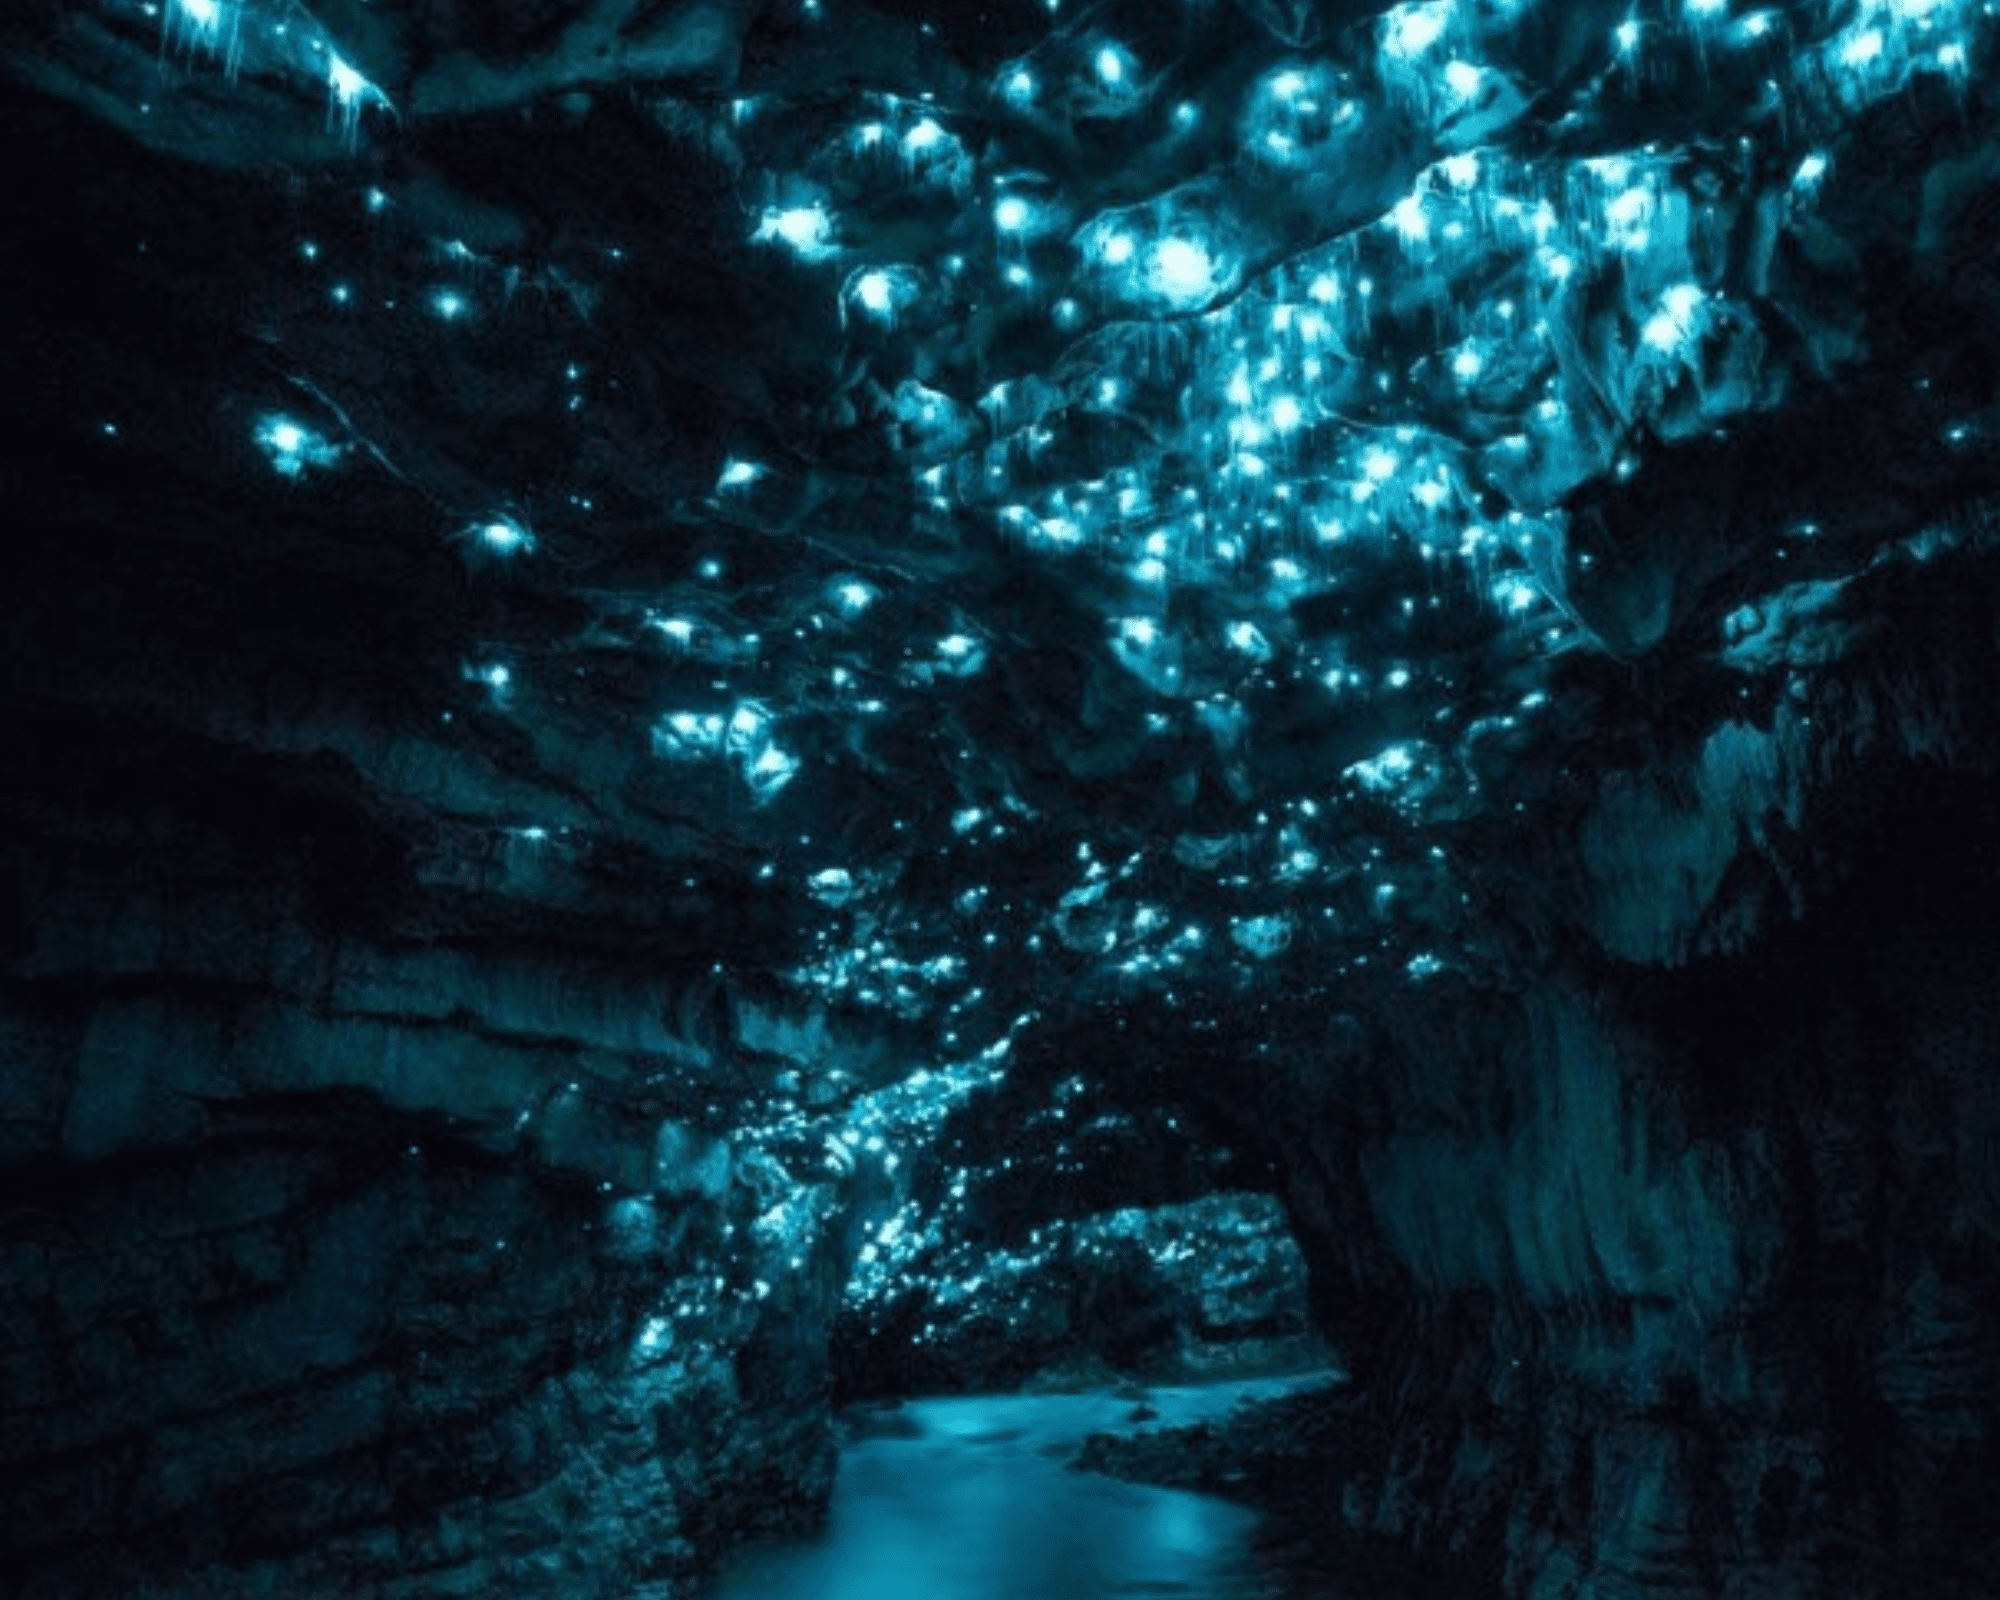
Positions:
{"x": 636, "y": 634}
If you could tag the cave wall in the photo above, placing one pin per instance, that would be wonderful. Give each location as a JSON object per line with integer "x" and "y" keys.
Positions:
{"x": 378, "y": 1208}
{"x": 342, "y": 1252}
{"x": 313, "y": 1360}
{"x": 1669, "y": 1267}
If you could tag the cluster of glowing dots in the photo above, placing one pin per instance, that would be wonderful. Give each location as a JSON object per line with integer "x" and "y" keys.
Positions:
{"x": 1881, "y": 34}
{"x": 203, "y": 24}
{"x": 1674, "y": 324}
{"x": 744, "y": 737}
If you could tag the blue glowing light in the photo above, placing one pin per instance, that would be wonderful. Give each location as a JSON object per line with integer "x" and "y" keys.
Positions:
{"x": 1012, "y": 214}
{"x": 880, "y": 294}
{"x": 1181, "y": 271}
{"x": 1673, "y": 324}
{"x": 1248, "y": 638}
{"x": 1261, "y": 937}
{"x": 1463, "y": 79}
{"x": 347, "y": 93}
{"x": 346, "y": 85}
{"x": 1629, "y": 218}
{"x": 744, "y": 736}
{"x": 1409, "y": 219}
{"x": 805, "y": 229}
{"x": 1865, "y": 47}
{"x": 771, "y": 771}
{"x": 1410, "y": 30}
{"x": 1379, "y": 464}
{"x": 496, "y": 678}
{"x": 747, "y": 737}
{"x": 292, "y": 447}
{"x": 201, "y": 25}
{"x": 687, "y": 733}
{"x": 1384, "y": 771}
{"x": 834, "y": 885}
{"x": 503, "y": 536}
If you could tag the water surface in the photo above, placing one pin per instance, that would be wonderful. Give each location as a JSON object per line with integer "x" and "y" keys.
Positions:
{"x": 970, "y": 1499}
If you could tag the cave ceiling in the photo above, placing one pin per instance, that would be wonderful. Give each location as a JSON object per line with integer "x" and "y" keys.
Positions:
{"x": 983, "y": 512}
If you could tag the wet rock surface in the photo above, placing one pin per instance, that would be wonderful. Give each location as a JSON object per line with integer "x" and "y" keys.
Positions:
{"x": 1725, "y": 1331}
{"x": 330, "y": 1350}
{"x": 353, "y": 1247}
{"x": 1284, "y": 1452}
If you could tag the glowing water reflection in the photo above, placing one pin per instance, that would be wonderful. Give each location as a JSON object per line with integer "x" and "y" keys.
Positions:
{"x": 972, "y": 1499}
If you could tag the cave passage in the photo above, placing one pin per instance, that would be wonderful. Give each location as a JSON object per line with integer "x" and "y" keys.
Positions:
{"x": 763, "y": 760}
{"x": 973, "y": 1499}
